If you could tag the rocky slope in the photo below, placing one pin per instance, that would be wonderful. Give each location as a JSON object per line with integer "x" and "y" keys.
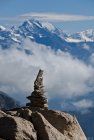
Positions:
{"x": 39, "y": 124}
{"x": 7, "y": 102}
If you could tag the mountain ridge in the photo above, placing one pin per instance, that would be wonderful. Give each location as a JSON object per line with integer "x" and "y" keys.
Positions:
{"x": 47, "y": 34}
{"x": 7, "y": 102}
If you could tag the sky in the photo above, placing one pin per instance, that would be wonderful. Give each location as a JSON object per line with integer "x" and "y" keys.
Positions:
{"x": 69, "y": 15}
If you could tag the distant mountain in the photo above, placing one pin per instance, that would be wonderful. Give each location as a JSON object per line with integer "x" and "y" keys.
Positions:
{"x": 84, "y": 36}
{"x": 7, "y": 102}
{"x": 8, "y": 37}
{"x": 80, "y": 45}
{"x": 42, "y": 33}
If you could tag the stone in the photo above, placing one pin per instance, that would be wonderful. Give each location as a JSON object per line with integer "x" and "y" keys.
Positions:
{"x": 37, "y": 98}
{"x": 64, "y": 123}
{"x": 40, "y": 124}
{"x": 12, "y": 113}
{"x": 45, "y": 131}
{"x": 24, "y": 113}
{"x": 16, "y": 128}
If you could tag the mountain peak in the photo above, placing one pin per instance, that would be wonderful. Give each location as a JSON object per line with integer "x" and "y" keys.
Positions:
{"x": 2, "y": 28}
{"x": 32, "y": 23}
{"x": 83, "y": 36}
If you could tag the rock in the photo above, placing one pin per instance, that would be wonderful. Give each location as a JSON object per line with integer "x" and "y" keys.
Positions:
{"x": 49, "y": 125}
{"x": 2, "y": 114}
{"x": 45, "y": 131}
{"x": 37, "y": 97}
{"x": 24, "y": 113}
{"x": 16, "y": 128}
{"x": 64, "y": 123}
{"x": 12, "y": 113}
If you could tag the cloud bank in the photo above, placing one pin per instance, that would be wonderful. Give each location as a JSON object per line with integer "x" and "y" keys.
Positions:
{"x": 51, "y": 17}
{"x": 57, "y": 17}
{"x": 64, "y": 76}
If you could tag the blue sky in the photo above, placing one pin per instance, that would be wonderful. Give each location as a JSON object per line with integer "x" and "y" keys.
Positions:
{"x": 70, "y": 7}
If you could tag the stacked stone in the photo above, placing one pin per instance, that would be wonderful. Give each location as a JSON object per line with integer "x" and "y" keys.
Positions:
{"x": 37, "y": 98}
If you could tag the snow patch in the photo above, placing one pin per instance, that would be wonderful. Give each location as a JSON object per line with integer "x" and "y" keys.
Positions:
{"x": 49, "y": 26}
{"x": 2, "y": 28}
{"x": 73, "y": 40}
{"x": 15, "y": 39}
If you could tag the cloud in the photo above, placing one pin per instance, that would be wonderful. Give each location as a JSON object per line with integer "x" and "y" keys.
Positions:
{"x": 83, "y": 104}
{"x": 51, "y": 17}
{"x": 92, "y": 59}
{"x": 86, "y": 47}
{"x": 57, "y": 17}
{"x": 64, "y": 76}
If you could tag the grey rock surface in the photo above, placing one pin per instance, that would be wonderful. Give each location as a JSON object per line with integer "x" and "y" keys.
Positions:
{"x": 39, "y": 124}
{"x": 64, "y": 123}
{"x": 16, "y": 128}
{"x": 45, "y": 130}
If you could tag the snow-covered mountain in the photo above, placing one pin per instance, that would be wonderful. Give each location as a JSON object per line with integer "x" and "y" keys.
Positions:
{"x": 8, "y": 37}
{"x": 45, "y": 33}
{"x": 84, "y": 36}
{"x": 40, "y": 32}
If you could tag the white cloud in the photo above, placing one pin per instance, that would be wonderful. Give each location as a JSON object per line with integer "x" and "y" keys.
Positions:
{"x": 51, "y": 17}
{"x": 92, "y": 59}
{"x": 83, "y": 104}
{"x": 86, "y": 47}
{"x": 64, "y": 76}
{"x": 57, "y": 17}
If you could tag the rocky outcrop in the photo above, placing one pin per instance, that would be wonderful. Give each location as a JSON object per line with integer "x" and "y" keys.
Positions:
{"x": 64, "y": 123}
{"x": 16, "y": 128}
{"x": 45, "y": 131}
{"x": 39, "y": 124}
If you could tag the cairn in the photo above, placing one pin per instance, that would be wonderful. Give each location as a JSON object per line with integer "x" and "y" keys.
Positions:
{"x": 37, "y": 98}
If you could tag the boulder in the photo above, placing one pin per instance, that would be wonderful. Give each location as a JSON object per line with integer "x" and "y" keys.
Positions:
{"x": 45, "y": 131}
{"x": 64, "y": 123}
{"x": 16, "y": 128}
{"x": 24, "y": 113}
